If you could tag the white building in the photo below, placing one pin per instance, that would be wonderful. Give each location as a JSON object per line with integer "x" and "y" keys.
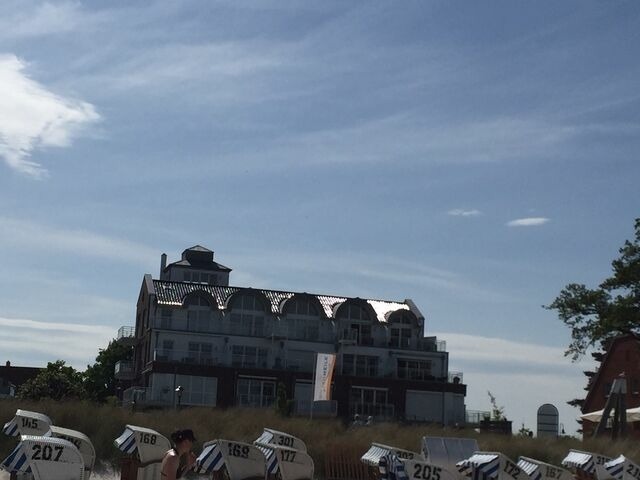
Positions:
{"x": 232, "y": 346}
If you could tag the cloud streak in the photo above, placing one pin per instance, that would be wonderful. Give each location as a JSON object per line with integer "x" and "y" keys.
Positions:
{"x": 31, "y": 342}
{"x": 22, "y": 233}
{"x": 528, "y": 222}
{"x": 460, "y": 212}
{"x": 32, "y": 117}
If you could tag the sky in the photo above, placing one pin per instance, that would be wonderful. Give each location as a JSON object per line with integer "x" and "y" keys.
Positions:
{"x": 474, "y": 157}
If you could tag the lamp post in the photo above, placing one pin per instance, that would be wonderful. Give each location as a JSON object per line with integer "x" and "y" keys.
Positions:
{"x": 179, "y": 390}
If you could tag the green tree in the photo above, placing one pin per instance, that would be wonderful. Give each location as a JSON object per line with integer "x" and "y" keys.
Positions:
{"x": 58, "y": 382}
{"x": 282, "y": 405}
{"x": 497, "y": 413}
{"x": 99, "y": 378}
{"x": 597, "y": 315}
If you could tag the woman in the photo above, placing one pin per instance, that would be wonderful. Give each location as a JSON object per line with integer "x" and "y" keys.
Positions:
{"x": 172, "y": 467}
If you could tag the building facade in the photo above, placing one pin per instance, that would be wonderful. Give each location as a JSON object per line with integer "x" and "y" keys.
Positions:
{"x": 622, "y": 357}
{"x": 12, "y": 377}
{"x": 233, "y": 346}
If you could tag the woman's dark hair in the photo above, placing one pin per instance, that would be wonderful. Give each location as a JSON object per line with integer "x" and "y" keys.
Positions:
{"x": 180, "y": 435}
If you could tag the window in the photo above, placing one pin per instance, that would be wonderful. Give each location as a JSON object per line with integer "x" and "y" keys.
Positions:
{"x": 400, "y": 337}
{"x": 197, "y": 390}
{"x": 302, "y": 320}
{"x": 166, "y": 352}
{"x": 360, "y": 365}
{"x": 301, "y": 306}
{"x": 200, "y": 353}
{"x": 199, "y": 314}
{"x": 255, "y": 392}
{"x": 369, "y": 401}
{"x": 414, "y": 369}
{"x": 248, "y": 356}
{"x": 165, "y": 318}
{"x": 247, "y": 324}
{"x": 200, "y": 277}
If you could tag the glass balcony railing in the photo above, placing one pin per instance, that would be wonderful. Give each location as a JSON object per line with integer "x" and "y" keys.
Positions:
{"x": 184, "y": 356}
{"x": 124, "y": 370}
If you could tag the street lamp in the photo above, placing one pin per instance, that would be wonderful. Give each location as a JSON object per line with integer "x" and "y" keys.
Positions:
{"x": 179, "y": 390}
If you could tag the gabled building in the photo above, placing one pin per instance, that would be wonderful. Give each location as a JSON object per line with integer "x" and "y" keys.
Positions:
{"x": 232, "y": 346}
{"x": 622, "y": 357}
{"x": 12, "y": 377}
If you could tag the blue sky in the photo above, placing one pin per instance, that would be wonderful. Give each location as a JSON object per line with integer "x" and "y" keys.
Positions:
{"x": 473, "y": 157}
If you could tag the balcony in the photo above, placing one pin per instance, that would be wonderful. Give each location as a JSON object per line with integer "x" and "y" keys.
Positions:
{"x": 124, "y": 370}
{"x": 474, "y": 417}
{"x": 455, "y": 377}
{"x": 126, "y": 336}
{"x": 184, "y": 356}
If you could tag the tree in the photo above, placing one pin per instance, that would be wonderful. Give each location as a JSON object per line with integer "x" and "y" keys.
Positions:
{"x": 99, "y": 378}
{"x": 497, "y": 413}
{"x": 58, "y": 382}
{"x": 597, "y": 315}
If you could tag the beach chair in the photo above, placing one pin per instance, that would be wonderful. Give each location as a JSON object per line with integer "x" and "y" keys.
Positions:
{"x": 281, "y": 439}
{"x": 377, "y": 450}
{"x": 446, "y": 452}
{"x": 45, "y": 458}
{"x": 27, "y": 423}
{"x": 489, "y": 466}
{"x": 537, "y": 470}
{"x": 144, "y": 449}
{"x": 286, "y": 463}
{"x": 621, "y": 468}
{"x": 586, "y": 465}
{"x": 82, "y": 443}
{"x": 240, "y": 461}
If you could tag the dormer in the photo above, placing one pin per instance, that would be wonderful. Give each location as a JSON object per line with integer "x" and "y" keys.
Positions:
{"x": 195, "y": 266}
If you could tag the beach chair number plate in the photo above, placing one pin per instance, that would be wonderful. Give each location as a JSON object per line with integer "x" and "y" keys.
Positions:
{"x": 236, "y": 450}
{"x": 285, "y": 441}
{"x": 47, "y": 452}
{"x": 287, "y": 456}
{"x": 148, "y": 438}
{"x": 633, "y": 471}
{"x": 30, "y": 423}
{"x": 426, "y": 472}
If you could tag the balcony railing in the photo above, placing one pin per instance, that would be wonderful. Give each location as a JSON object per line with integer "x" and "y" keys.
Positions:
{"x": 379, "y": 411}
{"x": 124, "y": 370}
{"x": 474, "y": 417}
{"x": 126, "y": 335}
{"x": 184, "y": 356}
{"x": 455, "y": 377}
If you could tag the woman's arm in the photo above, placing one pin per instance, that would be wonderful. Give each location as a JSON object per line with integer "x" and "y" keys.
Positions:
{"x": 170, "y": 467}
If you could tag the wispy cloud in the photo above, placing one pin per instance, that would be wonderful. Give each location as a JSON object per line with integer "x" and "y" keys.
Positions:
{"x": 32, "y": 117}
{"x": 30, "y": 342}
{"x": 528, "y": 222}
{"x": 459, "y": 212}
{"x": 22, "y": 233}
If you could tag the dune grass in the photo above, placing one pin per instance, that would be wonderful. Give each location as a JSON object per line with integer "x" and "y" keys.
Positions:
{"x": 103, "y": 423}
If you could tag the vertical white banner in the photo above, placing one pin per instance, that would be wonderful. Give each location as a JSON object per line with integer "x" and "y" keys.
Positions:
{"x": 325, "y": 363}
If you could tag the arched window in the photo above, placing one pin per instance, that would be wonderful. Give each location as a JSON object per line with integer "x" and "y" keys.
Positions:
{"x": 199, "y": 314}
{"x": 302, "y": 319}
{"x": 355, "y": 323}
{"x": 402, "y": 328}
{"x": 247, "y": 315}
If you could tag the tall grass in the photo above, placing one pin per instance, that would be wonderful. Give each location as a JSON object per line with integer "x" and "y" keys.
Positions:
{"x": 103, "y": 423}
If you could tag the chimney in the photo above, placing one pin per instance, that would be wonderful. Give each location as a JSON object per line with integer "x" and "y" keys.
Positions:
{"x": 163, "y": 263}
{"x": 8, "y": 364}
